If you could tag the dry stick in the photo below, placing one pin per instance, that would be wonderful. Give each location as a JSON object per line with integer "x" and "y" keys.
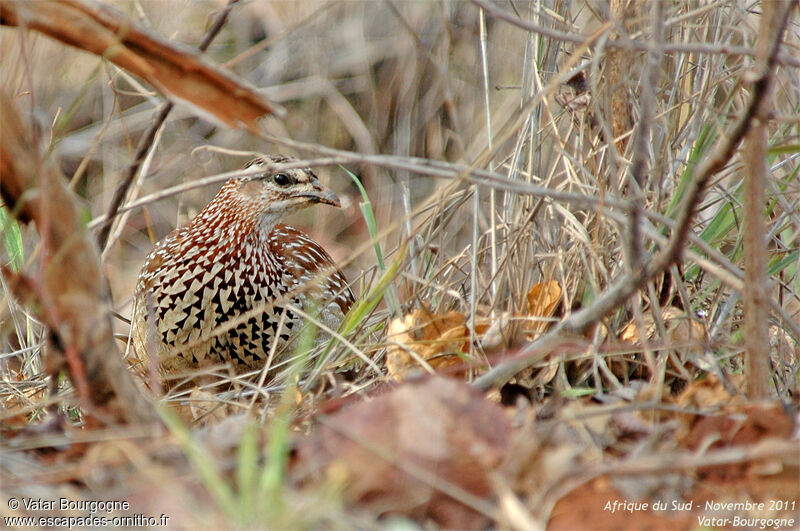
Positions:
{"x": 642, "y": 139}
{"x": 729, "y": 273}
{"x": 147, "y": 139}
{"x": 638, "y": 172}
{"x": 122, "y": 190}
{"x": 756, "y": 307}
{"x": 69, "y": 289}
{"x": 628, "y": 283}
{"x": 448, "y": 170}
{"x": 492, "y": 201}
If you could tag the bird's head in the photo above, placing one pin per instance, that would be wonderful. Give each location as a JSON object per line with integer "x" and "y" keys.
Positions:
{"x": 285, "y": 190}
{"x": 277, "y": 192}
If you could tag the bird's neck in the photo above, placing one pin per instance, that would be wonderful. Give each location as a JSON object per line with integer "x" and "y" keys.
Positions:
{"x": 264, "y": 224}
{"x": 230, "y": 219}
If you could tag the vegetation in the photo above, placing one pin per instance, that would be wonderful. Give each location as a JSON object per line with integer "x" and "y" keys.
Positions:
{"x": 572, "y": 229}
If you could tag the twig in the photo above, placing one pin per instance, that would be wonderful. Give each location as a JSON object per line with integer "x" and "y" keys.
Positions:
{"x": 181, "y": 72}
{"x": 146, "y": 141}
{"x": 641, "y": 147}
{"x": 492, "y": 200}
{"x": 756, "y": 288}
{"x": 628, "y": 283}
{"x": 69, "y": 291}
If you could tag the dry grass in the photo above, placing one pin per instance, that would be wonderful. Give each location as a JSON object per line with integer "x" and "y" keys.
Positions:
{"x": 478, "y": 195}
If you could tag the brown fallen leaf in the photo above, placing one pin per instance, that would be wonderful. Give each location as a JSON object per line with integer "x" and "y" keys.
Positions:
{"x": 424, "y": 338}
{"x": 684, "y": 334}
{"x": 681, "y": 329}
{"x": 178, "y": 71}
{"x": 424, "y": 450}
{"x": 499, "y": 334}
{"x": 709, "y": 393}
{"x": 744, "y": 425}
{"x": 68, "y": 292}
{"x": 543, "y": 299}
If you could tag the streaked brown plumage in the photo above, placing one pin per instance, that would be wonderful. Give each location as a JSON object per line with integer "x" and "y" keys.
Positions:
{"x": 213, "y": 290}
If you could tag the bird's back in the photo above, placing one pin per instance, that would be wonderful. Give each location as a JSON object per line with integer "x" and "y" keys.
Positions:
{"x": 204, "y": 303}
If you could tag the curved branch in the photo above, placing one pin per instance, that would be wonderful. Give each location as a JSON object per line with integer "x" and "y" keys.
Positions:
{"x": 146, "y": 141}
{"x": 69, "y": 289}
{"x": 627, "y": 284}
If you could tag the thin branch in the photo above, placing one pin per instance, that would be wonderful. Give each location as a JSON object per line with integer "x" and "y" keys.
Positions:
{"x": 628, "y": 283}
{"x": 69, "y": 292}
{"x": 179, "y": 71}
{"x": 146, "y": 141}
{"x": 756, "y": 287}
{"x": 641, "y": 147}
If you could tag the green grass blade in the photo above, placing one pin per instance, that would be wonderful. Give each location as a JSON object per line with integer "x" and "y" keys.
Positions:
{"x": 272, "y": 482}
{"x": 369, "y": 217}
{"x": 203, "y": 463}
{"x": 13, "y": 239}
{"x": 779, "y": 264}
{"x": 247, "y": 472}
{"x": 785, "y": 149}
{"x": 701, "y": 146}
{"x": 366, "y": 304}
{"x": 372, "y": 227}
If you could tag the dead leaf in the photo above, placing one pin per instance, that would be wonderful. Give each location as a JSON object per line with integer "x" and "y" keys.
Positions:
{"x": 681, "y": 329}
{"x": 180, "y": 72}
{"x": 422, "y": 338}
{"x": 709, "y": 392}
{"x": 500, "y": 333}
{"x": 401, "y": 451}
{"x": 543, "y": 299}
{"x": 684, "y": 334}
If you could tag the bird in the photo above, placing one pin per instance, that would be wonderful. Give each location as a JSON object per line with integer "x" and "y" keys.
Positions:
{"x": 217, "y": 290}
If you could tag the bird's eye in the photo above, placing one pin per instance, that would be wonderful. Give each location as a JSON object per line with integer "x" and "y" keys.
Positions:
{"x": 281, "y": 179}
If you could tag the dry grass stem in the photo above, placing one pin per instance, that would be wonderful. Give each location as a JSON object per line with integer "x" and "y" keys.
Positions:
{"x": 571, "y": 229}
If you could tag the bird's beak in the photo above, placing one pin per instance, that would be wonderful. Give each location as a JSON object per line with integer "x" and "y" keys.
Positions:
{"x": 320, "y": 194}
